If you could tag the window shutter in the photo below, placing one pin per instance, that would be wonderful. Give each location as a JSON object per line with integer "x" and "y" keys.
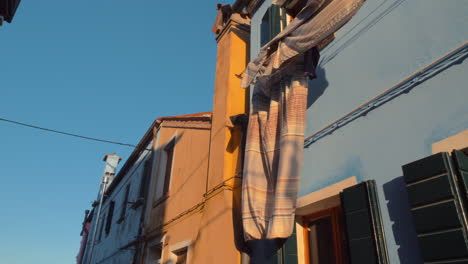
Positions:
{"x": 287, "y": 254}
{"x": 436, "y": 205}
{"x": 110, "y": 214}
{"x": 125, "y": 201}
{"x": 364, "y": 229}
{"x": 461, "y": 162}
{"x": 290, "y": 249}
{"x": 145, "y": 178}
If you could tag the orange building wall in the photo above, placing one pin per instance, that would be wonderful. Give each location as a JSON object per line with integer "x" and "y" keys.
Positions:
{"x": 217, "y": 239}
{"x": 187, "y": 186}
{"x": 205, "y": 183}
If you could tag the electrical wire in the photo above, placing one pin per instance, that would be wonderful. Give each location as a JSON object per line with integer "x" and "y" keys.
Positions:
{"x": 67, "y": 134}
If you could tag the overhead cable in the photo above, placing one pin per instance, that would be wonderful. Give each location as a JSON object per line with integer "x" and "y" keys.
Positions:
{"x": 66, "y": 133}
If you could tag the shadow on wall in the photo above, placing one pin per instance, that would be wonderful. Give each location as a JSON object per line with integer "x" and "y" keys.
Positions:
{"x": 317, "y": 86}
{"x": 400, "y": 215}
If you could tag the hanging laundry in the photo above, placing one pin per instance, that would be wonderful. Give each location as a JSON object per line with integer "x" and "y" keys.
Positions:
{"x": 275, "y": 134}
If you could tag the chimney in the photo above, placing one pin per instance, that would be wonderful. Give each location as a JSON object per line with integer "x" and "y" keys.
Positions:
{"x": 111, "y": 160}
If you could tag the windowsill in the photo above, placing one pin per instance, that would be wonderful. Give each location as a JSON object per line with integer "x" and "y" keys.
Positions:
{"x": 120, "y": 220}
{"x": 160, "y": 200}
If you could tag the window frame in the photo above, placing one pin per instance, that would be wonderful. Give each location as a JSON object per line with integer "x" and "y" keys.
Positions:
{"x": 283, "y": 20}
{"x": 123, "y": 209}
{"x": 174, "y": 249}
{"x": 169, "y": 150}
{"x": 314, "y": 203}
{"x": 110, "y": 214}
{"x": 339, "y": 248}
{"x": 142, "y": 191}
{"x": 156, "y": 242}
{"x": 164, "y": 174}
{"x": 101, "y": 227}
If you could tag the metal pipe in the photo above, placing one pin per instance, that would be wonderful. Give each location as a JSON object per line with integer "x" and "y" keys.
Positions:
{"x": 105, "y": 180}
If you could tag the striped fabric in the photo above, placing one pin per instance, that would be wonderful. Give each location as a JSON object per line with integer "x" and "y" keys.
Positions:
{"x": 318, "y": 20}
{"x": 273, "y": 158}
{"x": 275, "y": 135}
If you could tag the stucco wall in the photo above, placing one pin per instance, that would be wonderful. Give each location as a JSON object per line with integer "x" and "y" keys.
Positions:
{"x": 187, "y": 185}
{"x": 107, "y": 250}
{"x": 385, "y": 42}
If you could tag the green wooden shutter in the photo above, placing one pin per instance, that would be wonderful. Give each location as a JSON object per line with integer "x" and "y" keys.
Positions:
{"x": 110, "y": 214}
{"x": 271, "y": 24}
{"x": 290, "y": 249}
{"x": 461, "y": 163}
{"x": 436, "y": 204}
{"x": 287, "y": 254}
{"x": 364, "y": 228}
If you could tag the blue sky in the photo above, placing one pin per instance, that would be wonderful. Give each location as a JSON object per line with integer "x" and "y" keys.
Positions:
{"x": 103, "y": 69}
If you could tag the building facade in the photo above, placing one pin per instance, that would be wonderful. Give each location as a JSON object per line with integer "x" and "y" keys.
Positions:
{"x": 193, "y": 212}
{"x": 389, "y": 91}
{"x": 387, "y": 98}
{"x": 113, "y": 231}
{"x": 177, "y": 186}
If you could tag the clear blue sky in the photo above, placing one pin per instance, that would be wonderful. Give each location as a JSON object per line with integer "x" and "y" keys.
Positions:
{"x": 104, "y": 69}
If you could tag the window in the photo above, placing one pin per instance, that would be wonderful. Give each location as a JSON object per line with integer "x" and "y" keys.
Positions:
{"x": 169, "y": 149}
{"x": 323, "y": 237}
{"x": 179, "y": 253}
{"x": 145, "y": 178}
{"x": 341, "y": 224}
{"x": 274, "y": 20}
{"x": 437, "y": 186}
{"x": 287, "y": 254}
{"x": 181, "y": 256}
{"x": 164, "y": 171}
{"x": 109, "y": 217}
{"x": 123, "y": 210}
{"x": 154, "y": 254}
{"x": 102, "y": 227}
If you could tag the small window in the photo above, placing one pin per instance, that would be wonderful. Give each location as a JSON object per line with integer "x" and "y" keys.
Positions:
{"x": 273, "y": 22}
{"x": 109, "y": 217}
{"x": 169, "y": 149}
{"x": 163, "y": 178}
{"x": 155, "y": 254}
{"x": 324, "y": 236}
{"x": 123, "y": 210}
{"x": 181, "y": 256}
{"x": 102, "y": 227}
{"x": 144, "y": 179}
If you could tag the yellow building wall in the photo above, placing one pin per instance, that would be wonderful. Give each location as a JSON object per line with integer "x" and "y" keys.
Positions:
{"x": 217, "y": 240}
{"x": 205, "y": 185}
{"x": 187, "y": 187}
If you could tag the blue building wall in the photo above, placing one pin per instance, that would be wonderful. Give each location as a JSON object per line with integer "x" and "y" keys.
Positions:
{"x": 387, "y": 41}
{"x": 108, "y": 249}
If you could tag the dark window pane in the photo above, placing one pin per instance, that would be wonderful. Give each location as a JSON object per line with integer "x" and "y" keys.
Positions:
{"x": 321, "y": 241}
{"x": 124, "y": 204}
{"x": 167, "y": 176}
{"x": 155, "y": 253}
{"x": 273, "y": 22}
{"x": 145, "y": 178}
{"x": 181, "y": 257}
{"x": 102, "y": 226}
{"x": 109, "y": 217}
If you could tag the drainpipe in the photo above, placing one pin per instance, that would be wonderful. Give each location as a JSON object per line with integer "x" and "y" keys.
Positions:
{"x": 111, "y": 160}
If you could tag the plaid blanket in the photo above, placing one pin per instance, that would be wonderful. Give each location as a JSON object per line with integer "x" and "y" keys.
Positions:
{"x": 275, "y": 134}
{"x": 273, "y": 158}
{"x": 317, "y": 20}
